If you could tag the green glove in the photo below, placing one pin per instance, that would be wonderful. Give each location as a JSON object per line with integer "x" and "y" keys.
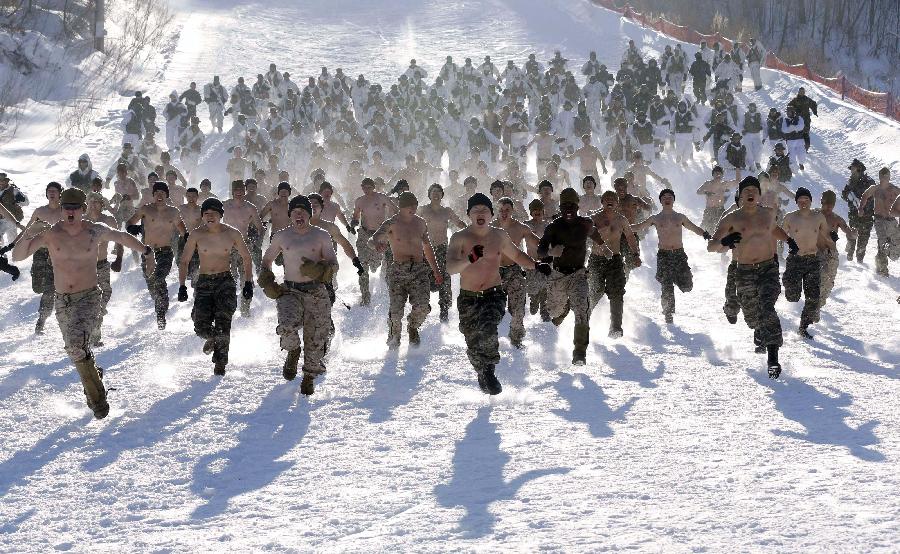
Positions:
{"x": 319, "y": 271}
{"x": 267, "y": 283}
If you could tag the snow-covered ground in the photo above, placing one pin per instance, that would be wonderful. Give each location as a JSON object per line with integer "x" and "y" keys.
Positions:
{"x": 671, "y": 438}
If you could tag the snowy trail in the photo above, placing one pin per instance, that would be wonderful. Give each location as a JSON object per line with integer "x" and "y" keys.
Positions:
{"x": 671, "y": 438}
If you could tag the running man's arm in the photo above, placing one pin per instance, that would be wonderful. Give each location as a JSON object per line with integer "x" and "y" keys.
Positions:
{"x": 691, "y": 226}
{"x": 379, "y": 239}
{"x": 457, "y": 259}
{"x": 722, "y": 228}
{"x": 644, "y": 225}
{"x": 341, "y": 240}
{"x": 186, "y": 254}
{"x": 462, "y": 224}
{"x": 514, "y": 253}
{"x": 30, "y": 242}
{"x": 272, "y": 251}
{"x": 242, "y": 250}
{"x": 428, "y": 250}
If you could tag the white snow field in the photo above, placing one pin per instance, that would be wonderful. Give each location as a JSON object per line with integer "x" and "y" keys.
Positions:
{"x": 670, "y": 439}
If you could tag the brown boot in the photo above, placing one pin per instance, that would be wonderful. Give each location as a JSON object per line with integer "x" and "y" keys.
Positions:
{"x": 94, "y": 391}
{"x": 289, "y": 371}
{"x": 307, "y": 387}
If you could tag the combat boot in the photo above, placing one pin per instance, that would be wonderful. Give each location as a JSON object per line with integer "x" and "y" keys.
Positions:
{"x": 289, "y": 371}
{"x": 489, "y": 382}
{"x": 94, "y": 391}
{"x": 307, "y": 386}
{"x": 414, "y": 339}
{"x": 582, "y": 337}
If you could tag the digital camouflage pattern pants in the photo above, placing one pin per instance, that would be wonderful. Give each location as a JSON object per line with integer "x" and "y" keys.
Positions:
{"x": 672, "y": 269}
{"x": 407, "y": 281}
{"x": 570, "y": 292}
{"x": 711, "y": 217}
{"x": 828, "y": 266}
{"x": 863, "y": 226}
{"x": 237, "y": 270}
{"x": 802, "y": 275}
{"x": 758, "y": 288}
{"x": 888, "y": 236}
{"x": 445, "y": 295}
{"x": 732, "y": 305}
{"x": 77, "y": 315}
{"x": 42, "y": 282}
{"x": 607, "y": 276}
{"x": 629, "y": 258}
{"x": 370, "y": 258}
{"x": 480, "y": 314}
{"x": 254, "y": 245}
{"x": 513, "y": 283}
{"x": 305, "y": 306}
{"x": 536, "y": 287}
{"x": 215, "y": 301}
{"x": 103, "y": 281}
{"x": 156, "y": 281}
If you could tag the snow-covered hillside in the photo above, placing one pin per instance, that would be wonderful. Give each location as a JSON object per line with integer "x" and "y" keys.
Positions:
{"x": 670, "y": 439}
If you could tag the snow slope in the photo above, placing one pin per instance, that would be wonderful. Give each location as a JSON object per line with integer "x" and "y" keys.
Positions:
{"x": 669, "y": 439}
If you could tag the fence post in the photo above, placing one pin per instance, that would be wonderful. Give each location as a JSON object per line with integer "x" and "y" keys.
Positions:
{"x": 843, "y": 87}
{"x": 889, "y": 109}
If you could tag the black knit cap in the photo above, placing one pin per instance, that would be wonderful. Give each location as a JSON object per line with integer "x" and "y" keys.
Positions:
{"x": 802, "y": 191}
{"x": 479, "y": 199}
{"x": 213, "y": 204}
{"x": 749, "y": 181}
{"x": 301, "y": 202}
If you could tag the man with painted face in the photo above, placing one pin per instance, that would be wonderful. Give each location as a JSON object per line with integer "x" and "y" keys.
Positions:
{"x": 565, "y": 242}
{"x": 158, "y": 221}
{"x": 302, "y": 300}
{"x": 607, "y": 265}
{"x": 475, "y": 253}
{"x": 751, "y": 231}
{"x": 215, "y": 292}
{"x": 73, "y": 244}
{"x": 511, "y": 274}
{"x": 809, "y": 233}
{"x": 42, "y": 272}
{"x": 672, "y": 266}
{"x": 438, "y": 218}
{"x": 408, "y": 275}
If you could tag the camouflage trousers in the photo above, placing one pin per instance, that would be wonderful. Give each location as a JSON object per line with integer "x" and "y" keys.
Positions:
{"x": 863, "y": 226}
{"x": 758, "y": 288}
{"x": 77, "y": 315}
{"x": 42, "y": 282}
{"x": 407, "y": 281}
{"x": 536, "y": 288}
{"x": 732, "y": 305}
{"x": 103, "y": 281}
{"x": 480, "y": 314}
{"x": 570, "y": 292}
{"x": 254, "y": 245}
{"x": 802, "y": 275}
{"x": 305, "y": 306}
{"x": 828, "y": 266}
{"x": 513, "y": 282}
{"x": 607, "y": 276}
{"x": 370, "y": 258}
{"x": 711, "y": 217}
{"x": 444, "y": 290}
{"x": 672, "y": 269}
{"x": 156, "y": 281}
{"x": 628, "y": 257}
{"x": 888, "y": 235}
{"x": 215, "y": 301}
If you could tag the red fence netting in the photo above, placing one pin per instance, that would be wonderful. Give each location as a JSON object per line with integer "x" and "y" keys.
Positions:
{"x": 881, "y": 102}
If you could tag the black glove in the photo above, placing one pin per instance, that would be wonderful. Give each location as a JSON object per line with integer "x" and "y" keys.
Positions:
{"x": 476, "y": 253}
{"x": 351, "y": 230}
{"x": 116, "y": 265}
{"x": 358, "y": 265}
{"x": 354, "y": 223}
{"x": 706, "y": 235}
{"x": 134, "y": 229}
{"x": 182, "y": 293}
{"x": 7, "y": 267}
{"x": 7, "y": 248}
{"x": 792, "y": 246}
{"x": 543, "y": 268}
{"x": 833, "y": 235}
{"x": 248, "y": 290}
{"x": 731, "y": 240}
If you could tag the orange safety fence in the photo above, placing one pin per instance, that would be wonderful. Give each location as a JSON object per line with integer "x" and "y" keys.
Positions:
{"x": 880, "y": 102}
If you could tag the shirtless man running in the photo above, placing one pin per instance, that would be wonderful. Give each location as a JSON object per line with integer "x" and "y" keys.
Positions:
{"x": 672, "y": 266}
{"x": 590, "y": 200}
{"x": 475, "y": 253}
{"x": 160, "y": 221}
{"x": 42, "y": 273}
{"x": 192, "y": 216}
{"x": 369, "y": 212}
{"x": 408, "y": 276}
{"x": 716, "y": 191}
{"x": 302, "y": 300}
{"x": 884, "y": 193}
{"x": 215, "y": 292}
{"x": 512, "y": 276}
{"x": 73, "y": 245}
{"x": 829, "y": 259}
{"x": 242, "y": 215}
{"x": 277, "y": 209}
{"x": 438, "y": 218}
{"x": 751, "y": 231}
{"x": 588, "y": 155}
{"x": 94, "y": 214}
{"x": 535, "y": 282}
